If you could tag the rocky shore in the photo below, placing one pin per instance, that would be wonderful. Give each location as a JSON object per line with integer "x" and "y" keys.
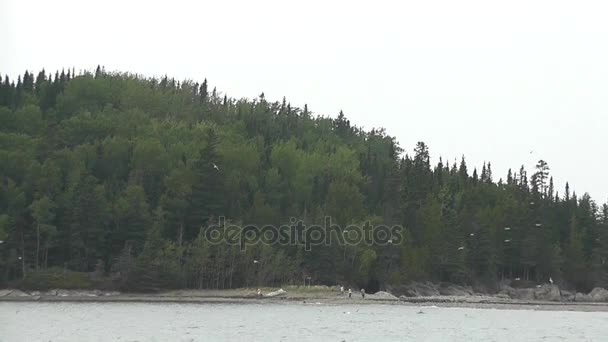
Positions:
{"x": 542, "y": 293}
{"x": 548, "y": 297}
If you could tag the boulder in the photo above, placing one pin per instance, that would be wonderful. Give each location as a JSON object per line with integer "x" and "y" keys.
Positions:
{"x": 581, "y": 297}
{"x": 599, "y": 294}
{"x": 63, "y": 293}
{"x": 383, "y": 295}
{"x": 5, "y": 292}
{"x": 52, "y": 292}
{"x": 503, "y": 296}
{"x": 17, "y": 293}
{"x": 276, "y": 293}
{"x": 548, "y": 292}
{"x": 519, "y": 294}
{"x": 506, "y": 290}
{"x": 567, "y": 296}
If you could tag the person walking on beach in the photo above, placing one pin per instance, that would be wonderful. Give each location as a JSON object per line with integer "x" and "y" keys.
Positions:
{"x": 350, "y": 293}
{"x": 363, "y": 293}
{"x": 342, "y": 290}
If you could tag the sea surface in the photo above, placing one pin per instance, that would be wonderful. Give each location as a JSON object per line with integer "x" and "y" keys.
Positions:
{"x": 28, "y": 321}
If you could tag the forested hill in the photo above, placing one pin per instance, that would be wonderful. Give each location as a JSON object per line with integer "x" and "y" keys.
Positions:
{"x": 116, "y": 174}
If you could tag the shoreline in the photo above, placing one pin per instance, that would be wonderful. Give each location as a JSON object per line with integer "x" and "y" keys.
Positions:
{"x": 226, "y": 297}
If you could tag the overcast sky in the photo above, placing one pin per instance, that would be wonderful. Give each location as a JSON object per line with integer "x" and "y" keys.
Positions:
{"x": 493, "y": 80}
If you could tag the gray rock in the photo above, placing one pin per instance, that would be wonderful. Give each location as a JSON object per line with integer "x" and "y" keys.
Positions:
{"x": 276, "y": 293}
{"x": 63, "y": 293}
{"x": 17, "y": 293}
{"x": 525, "y": 294}
{"x": 6, "y": 292}
{"x": 52, "y": 292}
{"x": 519, "y": 294}
{"x": 567, "y": 296}
{"x": 548, "y": 292}
{"x": 383, "y": 295}
{"x": 581, "y": 297}
{"x": 599, "y": 294}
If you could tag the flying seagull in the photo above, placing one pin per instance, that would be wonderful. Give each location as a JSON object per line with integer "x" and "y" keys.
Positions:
{"x": 215, "y": 166}
{"x": 461, "y": 248}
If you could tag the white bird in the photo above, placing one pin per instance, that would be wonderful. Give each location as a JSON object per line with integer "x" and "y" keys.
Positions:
{"x": 215, "y": 166}
{"x": 255, "y": 261}
{"x": 507, "y": 240}
{"x": 507, "y": 228}
{"x": 538, "y": 224}
{"x": 1, "y": 242}
{"x": 460, "y": 248}
{"x": 472, "y": 234}
{"x": 551, "y": 280}
{"x": 390, "y": 241}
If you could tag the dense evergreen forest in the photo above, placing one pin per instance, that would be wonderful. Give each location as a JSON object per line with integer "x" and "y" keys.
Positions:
{"x": 108, "y": 179}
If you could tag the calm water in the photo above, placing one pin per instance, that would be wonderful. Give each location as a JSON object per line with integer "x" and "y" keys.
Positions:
{"x": 293, "y": 322}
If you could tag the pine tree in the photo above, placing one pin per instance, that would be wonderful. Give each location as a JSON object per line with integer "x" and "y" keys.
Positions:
{"x": 539, "y": 179}
{"x": 203, "y": 93}
{"x": 489, "y": 173}
{"x": 40, "y": 80}
{"x": 523, "y": 180}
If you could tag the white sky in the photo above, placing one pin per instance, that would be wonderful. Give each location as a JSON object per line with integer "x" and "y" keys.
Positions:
{"x": 492, "y": 80}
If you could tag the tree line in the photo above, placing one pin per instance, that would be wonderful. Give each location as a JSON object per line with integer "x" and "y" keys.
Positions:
{"x": 118, "y": 175}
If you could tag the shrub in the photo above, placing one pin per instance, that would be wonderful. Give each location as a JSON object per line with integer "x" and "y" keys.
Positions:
{"x": 55, "y": 278}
